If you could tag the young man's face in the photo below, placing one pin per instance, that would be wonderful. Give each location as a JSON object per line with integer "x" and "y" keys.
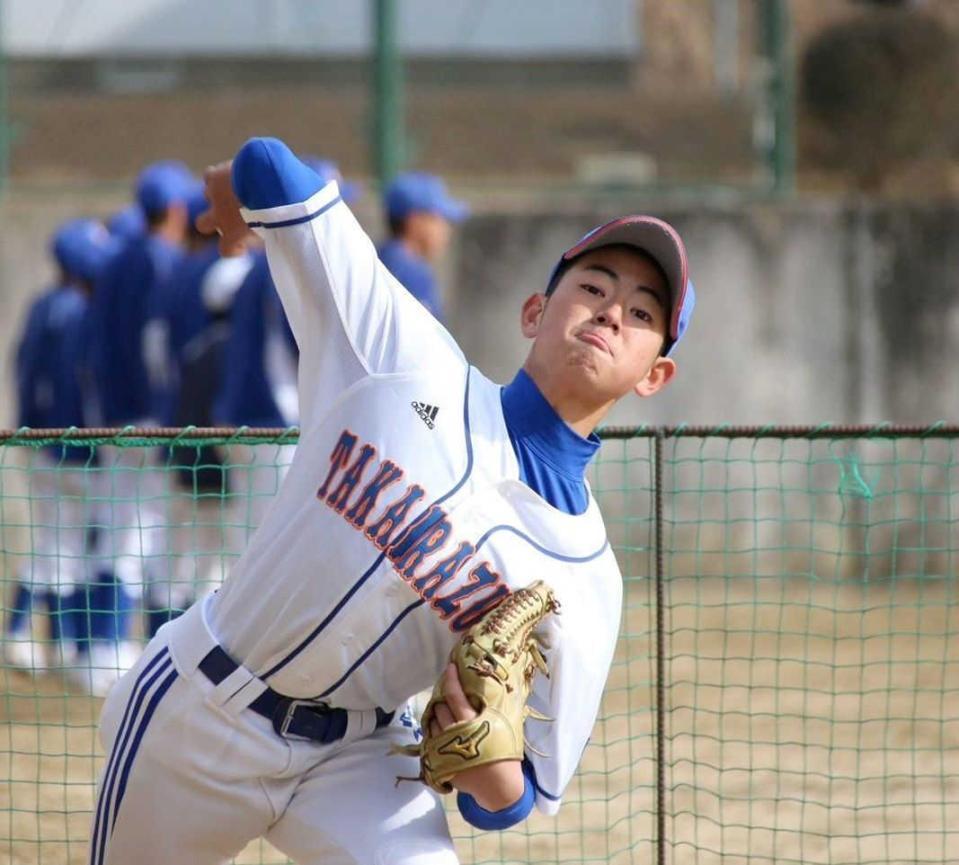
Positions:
{"x": 600, "y": 333}
{"x": 429, "y": 232}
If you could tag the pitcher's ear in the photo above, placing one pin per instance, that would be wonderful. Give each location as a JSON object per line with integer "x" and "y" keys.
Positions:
{"x": 532, "y": 315}
{"x": 659, "y": 375}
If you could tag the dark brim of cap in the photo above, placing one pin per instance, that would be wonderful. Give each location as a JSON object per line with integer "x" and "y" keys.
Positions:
{"x": 657, "y": 239}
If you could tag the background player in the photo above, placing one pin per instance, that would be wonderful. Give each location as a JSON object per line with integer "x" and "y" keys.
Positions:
{"x": 127, "y": 223}
{"x": 420, "y": 214}
{"x": 51, "y": 393}
{"x": 132, "y": 386}
{"x": 191, "y": 324}
{"x": 266, "y": 709}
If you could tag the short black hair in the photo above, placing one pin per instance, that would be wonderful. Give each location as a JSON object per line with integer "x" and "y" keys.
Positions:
{"x": 155, "y": 217}
{"x": 397, "y": 225}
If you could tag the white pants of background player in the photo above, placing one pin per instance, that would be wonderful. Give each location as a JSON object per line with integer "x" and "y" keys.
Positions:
{"x": 160, "y": 802}
{"x": 59, "y": 496}
{"x": 135, "y": 515}
{"x": 60, "y": 519}
{"x": 200, "y": 545}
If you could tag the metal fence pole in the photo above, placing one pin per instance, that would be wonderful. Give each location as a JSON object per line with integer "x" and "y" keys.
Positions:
{"x": 389, "y": 137}
{"x": 660, "y": 649}
{"x": 5, "y": 131}
{"x": 776, "y": 50}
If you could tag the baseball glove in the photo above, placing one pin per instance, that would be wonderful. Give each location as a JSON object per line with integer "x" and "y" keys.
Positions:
{"x": 496, "y": 660}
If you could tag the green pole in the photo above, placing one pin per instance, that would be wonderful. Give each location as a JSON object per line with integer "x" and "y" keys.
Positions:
{"x": 5, "y": 132}
{"x": 389, "y": 135}
{"x": 780, "y": 93}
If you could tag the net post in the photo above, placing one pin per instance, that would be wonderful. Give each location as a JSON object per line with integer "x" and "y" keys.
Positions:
{"x": 660, "y": 649}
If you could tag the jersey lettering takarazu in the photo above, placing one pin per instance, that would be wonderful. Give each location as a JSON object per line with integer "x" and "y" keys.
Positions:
{"x": 403, "y": 517}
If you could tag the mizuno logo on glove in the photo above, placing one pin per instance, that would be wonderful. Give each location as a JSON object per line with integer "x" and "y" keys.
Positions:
{"x": 466, "y": 747}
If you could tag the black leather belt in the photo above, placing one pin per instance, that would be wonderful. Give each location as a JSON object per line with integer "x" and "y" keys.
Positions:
{"x": 291, "y": 717}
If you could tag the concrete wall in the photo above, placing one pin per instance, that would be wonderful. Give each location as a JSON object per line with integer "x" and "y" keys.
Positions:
{"x": 808, "y": 312}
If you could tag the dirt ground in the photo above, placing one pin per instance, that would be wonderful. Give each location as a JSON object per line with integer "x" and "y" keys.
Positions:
{"x": 807, "y": 721}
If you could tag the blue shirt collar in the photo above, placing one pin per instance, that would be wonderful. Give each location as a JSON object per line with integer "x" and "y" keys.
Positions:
{"x": 534, "y": 422}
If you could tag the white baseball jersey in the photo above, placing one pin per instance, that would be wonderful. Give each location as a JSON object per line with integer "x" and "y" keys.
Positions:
{"x": 403, "y": 519}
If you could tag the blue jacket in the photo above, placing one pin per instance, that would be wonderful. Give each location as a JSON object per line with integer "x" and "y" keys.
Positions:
{"x": 414, "y": 274}
{"x": 52, "y": 390}
{"x": 190, "y": 330}
{"x": 247, "y": 396}
{"x": 127, "y": 293}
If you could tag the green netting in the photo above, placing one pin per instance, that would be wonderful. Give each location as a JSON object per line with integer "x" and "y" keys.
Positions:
{"x": 790, "y": 594}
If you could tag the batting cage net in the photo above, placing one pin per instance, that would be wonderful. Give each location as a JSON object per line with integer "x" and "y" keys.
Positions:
{"x": 786, "y": 687}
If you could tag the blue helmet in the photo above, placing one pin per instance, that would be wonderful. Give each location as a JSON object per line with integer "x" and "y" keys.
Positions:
{"x": 81, "y": 247}
{"x": 418, "y": 191}
{"x": 162, "y": 184}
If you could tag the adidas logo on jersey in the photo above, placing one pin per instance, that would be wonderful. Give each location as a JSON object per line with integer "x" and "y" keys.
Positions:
{"x": 427, "y": 412}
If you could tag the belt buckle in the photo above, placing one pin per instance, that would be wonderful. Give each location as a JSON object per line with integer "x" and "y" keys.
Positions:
{"x": 283, "y": 727}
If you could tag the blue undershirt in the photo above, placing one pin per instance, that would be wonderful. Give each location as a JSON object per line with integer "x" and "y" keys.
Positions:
{"x": 552, "y": 456}
{"x": 476, "y": 815}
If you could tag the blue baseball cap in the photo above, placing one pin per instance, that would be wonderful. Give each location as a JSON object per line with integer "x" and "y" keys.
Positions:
{"x": 661, "y": 242}
{"x": 329, "y": 170}
{"x": 127, "y": 223}
{"x": 82, "y": 246}
{"x": 417, "y": 191}
{"x": 163, "y": 184}
{"x": 196, "y": 202}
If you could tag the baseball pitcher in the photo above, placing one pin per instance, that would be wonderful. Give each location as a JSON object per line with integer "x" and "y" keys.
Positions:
{"x": 434, "y": 530}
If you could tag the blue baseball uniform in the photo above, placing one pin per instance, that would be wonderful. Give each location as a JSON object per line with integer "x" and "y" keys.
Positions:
{"x": 50, "y": 393}
{"x": 410, "y": 193}
{"x": 259, "y": 378}
{"x": 53, "y": 391}
{"x": 192, "y": 326}
{"x": 51, "y": 385}
{"x": 197, "y": 308}
{"x": 133, "y": 384}
{"x": 414, "y": 274}
{"x": 126, "y": 294}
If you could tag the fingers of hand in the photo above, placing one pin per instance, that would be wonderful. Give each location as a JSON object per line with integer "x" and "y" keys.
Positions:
{"x": 223, "y": 216}
{"x": 442, "y": 718}
{"x": 455, "y": 705}
{"x": 206, "y": 223}
{"x": 456, "y": 699}
{"x": 214, "y": 174}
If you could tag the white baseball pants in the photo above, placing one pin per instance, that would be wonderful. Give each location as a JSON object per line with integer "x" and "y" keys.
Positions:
{"x": 193, "y": 775}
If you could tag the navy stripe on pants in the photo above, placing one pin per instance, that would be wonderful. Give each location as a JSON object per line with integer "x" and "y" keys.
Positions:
{"x": 153, "y": 682}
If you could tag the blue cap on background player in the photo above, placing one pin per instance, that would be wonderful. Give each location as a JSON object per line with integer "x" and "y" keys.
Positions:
{"x": 417, "y": 191}
{"x": 163, "y": 184}
{"x": 81, "y": 247}
{"x": 329, "y": 170}
{"x": 196, "y": 202}
{"x": 661, "y": 242}
{"x": 127, "y": 223}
